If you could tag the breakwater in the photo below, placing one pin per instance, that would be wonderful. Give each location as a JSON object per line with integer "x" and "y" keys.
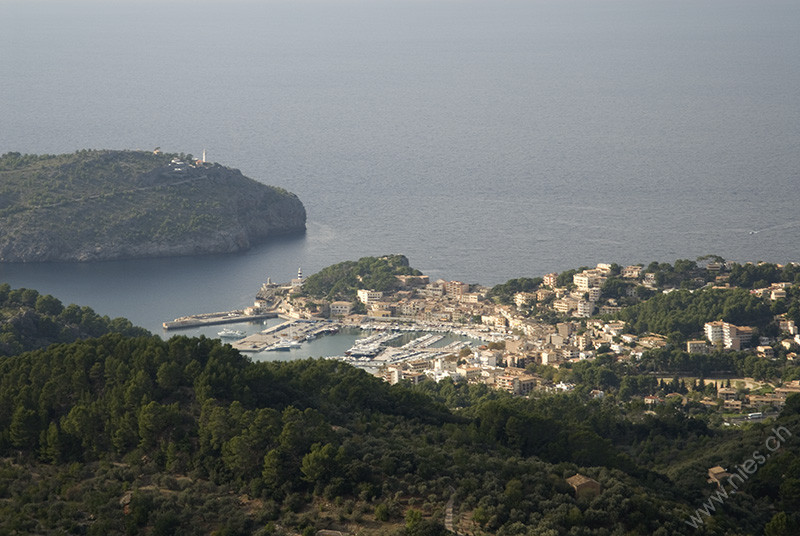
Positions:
{"x": 211, "y": 319}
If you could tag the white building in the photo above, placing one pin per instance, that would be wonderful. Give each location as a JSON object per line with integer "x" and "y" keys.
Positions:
{"x": 369, "y": 296}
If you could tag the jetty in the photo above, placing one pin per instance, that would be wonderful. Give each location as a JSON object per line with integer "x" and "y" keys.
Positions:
{"x": 284, "y": 336}
{"x": 211, "y": 319}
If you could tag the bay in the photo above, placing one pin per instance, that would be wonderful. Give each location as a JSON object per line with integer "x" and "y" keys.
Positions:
{"x": 483, "y": 139}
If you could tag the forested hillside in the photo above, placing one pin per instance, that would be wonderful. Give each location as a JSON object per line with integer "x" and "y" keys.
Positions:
{"x": 29, "y": 320}
{"x": 342, "y": 280}
{"x": 120, "y": 435}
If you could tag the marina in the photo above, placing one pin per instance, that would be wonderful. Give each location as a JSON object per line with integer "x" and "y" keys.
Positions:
{"x": 285, "y": 336}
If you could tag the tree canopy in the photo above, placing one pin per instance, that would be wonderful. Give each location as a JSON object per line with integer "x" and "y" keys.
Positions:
{"x": 342, "y": 280}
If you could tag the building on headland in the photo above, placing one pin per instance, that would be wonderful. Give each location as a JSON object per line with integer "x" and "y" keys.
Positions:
{"x": 369, "y": 296}
{"x": 632, "y": 272}
{"x": 588, "y": 279}
{"x": 298, "y": 281}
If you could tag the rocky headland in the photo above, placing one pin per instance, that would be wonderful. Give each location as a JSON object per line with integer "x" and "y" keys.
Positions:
{"x": 103, "y": 205}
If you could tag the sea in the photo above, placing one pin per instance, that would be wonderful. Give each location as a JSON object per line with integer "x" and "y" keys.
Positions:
{"x": 483, "y": 139}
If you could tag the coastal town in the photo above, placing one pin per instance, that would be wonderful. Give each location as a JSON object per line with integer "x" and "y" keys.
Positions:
{"x": 568, "y": 318}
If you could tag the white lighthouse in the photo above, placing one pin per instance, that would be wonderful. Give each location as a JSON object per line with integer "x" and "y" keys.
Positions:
{"x": 299, "y": 281}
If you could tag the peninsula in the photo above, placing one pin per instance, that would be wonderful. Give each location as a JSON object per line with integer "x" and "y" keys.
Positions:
{"x": 103, "y": 205}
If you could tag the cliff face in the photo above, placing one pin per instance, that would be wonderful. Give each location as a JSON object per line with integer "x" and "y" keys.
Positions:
{"x": 104, "y": 205}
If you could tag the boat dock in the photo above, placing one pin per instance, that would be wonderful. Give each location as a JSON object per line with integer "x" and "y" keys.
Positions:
{"x": 372, "y": 354}
{"x": 211, "y": 319}
{"x": 284, "y": 336}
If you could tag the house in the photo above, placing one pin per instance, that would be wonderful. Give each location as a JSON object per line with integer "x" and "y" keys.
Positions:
{"x": 472, "y": 297}
{"x": 717, "y": 474}
{"x": 525, "y": 384}
{"x": 584, "y": 486}
{"x": 696, "y": 347}
{"x": 766, "y": 400}
{"x": 432, "y": 290}
{"x": 733, "y": 405}
{"x": 507, "y": 383}
{"x": 609, "y": 309}
{"x": 777, "y": 294}
{"x": 585, "y": 309}
{"x": 651, "y": 400}
{"x": 653, "y": 341}
{"x": 788, "y": 326}
{"x": 369, "y": 296}
{"x": 565, "y": 305}
{"x": 413, "y": 377}
{"x": 588, "y": 279}
{"x": 455, "y": 288}
{"x": 469, "y": 373}
{"x": 632, "y": 272}
{"x": 765, "y": 351}
{"x": 521, "y": 299}
{"x": 594, "y": 294}
{"x": 788, "y": 389}
{"x": 341, "y": 308}
{"x": 543, "y": 294}
{"x": 550, "y": 279}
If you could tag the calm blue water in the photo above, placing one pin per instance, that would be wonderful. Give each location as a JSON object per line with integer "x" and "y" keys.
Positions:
{"x": 483, "y": 139}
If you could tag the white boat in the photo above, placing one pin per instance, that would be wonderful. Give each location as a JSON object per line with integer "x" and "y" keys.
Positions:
{"x": 280, "y": 346}
{"x": 230, "y": 334}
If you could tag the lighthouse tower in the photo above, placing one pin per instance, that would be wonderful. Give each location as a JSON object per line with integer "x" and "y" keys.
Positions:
{"x": 297, "y": 283}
